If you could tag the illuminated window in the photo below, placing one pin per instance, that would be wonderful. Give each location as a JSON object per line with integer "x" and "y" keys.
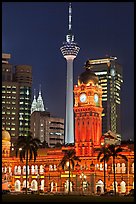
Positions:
{"x": 41, "y": 169}
{"x": 118, "y": 168}
{"x": 123, "y": 168}
{"x": 24, "y": 169}
{"x": 101, "y": 167}
{"x": 50, "y": 167}
{"x": 19, "y": 170}
{"x": 32, "y": 169}
{"x": 123, "y": 187}
{"x": 132, "y": 168}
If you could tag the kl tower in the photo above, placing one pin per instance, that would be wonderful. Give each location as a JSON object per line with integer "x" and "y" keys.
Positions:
{"x": 69, "y": 50}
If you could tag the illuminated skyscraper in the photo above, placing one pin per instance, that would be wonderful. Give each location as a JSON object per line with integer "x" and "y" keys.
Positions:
{"x": 109, "y": 72}
{"x": 69, "y": 50}
{"x": 16, "y": 97}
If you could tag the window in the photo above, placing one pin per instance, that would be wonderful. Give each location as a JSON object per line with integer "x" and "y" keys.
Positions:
{"x": 118, "y": 168}
{"x": 123, "y": 168}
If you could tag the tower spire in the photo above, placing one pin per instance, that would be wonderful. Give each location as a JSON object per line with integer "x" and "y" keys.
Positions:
{"x": 70, "y": 18}
{"x": 70, "y": 37}
{"x": 34, "y": 104}
{"x": 40, "y": 104}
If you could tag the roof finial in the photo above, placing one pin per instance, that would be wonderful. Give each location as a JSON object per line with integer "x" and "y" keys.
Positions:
{"x": 40, "y": 89}
{"x": 34, "y": 93}
{"x": 70, "y": 17}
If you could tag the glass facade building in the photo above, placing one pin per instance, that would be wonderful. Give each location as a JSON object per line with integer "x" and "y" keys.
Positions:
{"x": 109, "y": 72}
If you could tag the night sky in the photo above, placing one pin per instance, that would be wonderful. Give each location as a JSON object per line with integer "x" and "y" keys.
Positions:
{"x": 33, "y": 32}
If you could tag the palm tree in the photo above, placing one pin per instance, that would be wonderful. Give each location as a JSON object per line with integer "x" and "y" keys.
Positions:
{"x": 26, "y": 148}
{"x": 102, "y": 152}
{"x": 114, "y": 152}
{"x": 69, "y": 157}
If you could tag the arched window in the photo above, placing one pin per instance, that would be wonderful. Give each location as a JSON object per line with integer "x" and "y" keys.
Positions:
{"x": 5, "y": 169}
{"x": 41, "y": 169}
{"x": 17, "y": 185}
{"x": 106, "y": 166}
{"x": 36, "y": 169}
{"x": 118, "y": 168}
{"x": 34, "y": 185}
{"x": 123, "y": 187}
{"x": 96, "y": 166}
{"x": 42, "y": 185}
{"x": 9, "y": 169}
{"x": 28, "y": 169}
{"x": 55, "y": 167}
{"x": 32, "y": 169}
{"x": 50, "y": 167}
{"x": 100, "y": 185}
{"x": 24, "y": 169}
{"x": 15, "y": 170}
{"x": 101, "y": 167}
{"x": 19, "y": 170}
{"x": 132, "y": 168}
{"x": 123, "y": 168}
{"x": 24, "y": 184}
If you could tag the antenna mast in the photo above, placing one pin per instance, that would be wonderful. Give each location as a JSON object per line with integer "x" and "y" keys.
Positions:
{"x": 70, "y": 17}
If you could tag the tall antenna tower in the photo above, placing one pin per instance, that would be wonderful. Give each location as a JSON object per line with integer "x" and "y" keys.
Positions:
{"x": 69, "y": 50}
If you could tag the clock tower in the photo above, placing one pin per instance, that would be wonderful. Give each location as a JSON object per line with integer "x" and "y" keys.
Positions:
{"x": 88, "y": 111}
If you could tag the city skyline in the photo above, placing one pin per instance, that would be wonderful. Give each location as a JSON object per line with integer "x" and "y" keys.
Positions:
{"x": 35, "y": 39}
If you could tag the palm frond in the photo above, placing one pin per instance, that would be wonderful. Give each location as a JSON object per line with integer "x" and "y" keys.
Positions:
{"x": 123, "y": 156}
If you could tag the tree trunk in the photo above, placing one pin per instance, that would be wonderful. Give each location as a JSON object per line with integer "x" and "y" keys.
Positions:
{"x": 104, "y": 169}
{"x": 104, "y": 177}
{"x": 26, "y": 169}
{"x": 114, "y": 174}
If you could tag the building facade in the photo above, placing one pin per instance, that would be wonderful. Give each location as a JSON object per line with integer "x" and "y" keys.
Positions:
{"x": 47, "y": 128}
{"x": 87, "y": 175}
{"x": 16, "y": 97}
{"x": 109, "y": 72}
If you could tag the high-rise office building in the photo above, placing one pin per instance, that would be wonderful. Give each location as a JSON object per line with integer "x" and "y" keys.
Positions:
{"x": 47, "y": 128}
{"x": 109, "y": 72}
{"x": 16, "y": 97}
{"x": 69, "y": 50}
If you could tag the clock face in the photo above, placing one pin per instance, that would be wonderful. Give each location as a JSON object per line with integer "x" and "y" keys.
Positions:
{"x": 96, "y": 98}
{"x": 83, "y": 97}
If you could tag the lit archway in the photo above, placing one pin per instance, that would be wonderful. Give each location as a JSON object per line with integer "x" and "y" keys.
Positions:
{"x": 123, "y": 187}
{"x": 66, "y": 186}
{"x": 34, "y": 185}
{"x": 24, "y": 184}
{"x": 100, "y": 186}
{"x": 17, "y": 185}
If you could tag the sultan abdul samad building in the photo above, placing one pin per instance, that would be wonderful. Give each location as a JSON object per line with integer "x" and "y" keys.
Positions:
{"x": 46, "y": 174}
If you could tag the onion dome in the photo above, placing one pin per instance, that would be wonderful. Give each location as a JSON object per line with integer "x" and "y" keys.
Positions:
{"x": 88, "y": 76}
{"x": 5, "y": 135}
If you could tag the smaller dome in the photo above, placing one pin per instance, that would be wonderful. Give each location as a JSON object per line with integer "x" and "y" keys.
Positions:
{"x": 5, "y": 135}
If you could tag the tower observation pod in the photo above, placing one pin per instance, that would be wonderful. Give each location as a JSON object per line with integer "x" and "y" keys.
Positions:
{"x": 69, "y": 50}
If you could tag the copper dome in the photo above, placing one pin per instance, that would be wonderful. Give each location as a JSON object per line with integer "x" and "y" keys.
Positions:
{"x": 87, "y": 77}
